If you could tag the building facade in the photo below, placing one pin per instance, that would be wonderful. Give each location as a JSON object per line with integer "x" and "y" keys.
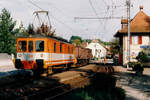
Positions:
{"x": 139, "y": 39}
{"x": 98, "y": 51}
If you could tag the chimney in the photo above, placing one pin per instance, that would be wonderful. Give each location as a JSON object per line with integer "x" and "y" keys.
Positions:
{"x": 124, "y": 23}
{"x": 141, "y": 8}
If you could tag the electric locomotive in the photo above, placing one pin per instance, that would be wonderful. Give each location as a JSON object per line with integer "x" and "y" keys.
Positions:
{"x": 42, "y": 53}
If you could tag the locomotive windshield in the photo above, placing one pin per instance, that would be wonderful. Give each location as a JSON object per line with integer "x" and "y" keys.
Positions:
{"x": 30, "y": 46}
{"x": 22, "y": 46}
{"x": 39, "y": 45}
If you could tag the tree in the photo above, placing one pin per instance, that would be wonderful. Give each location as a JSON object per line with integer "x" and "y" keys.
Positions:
{"x": 103, "y": 42}
{"x": 30, "y": 30}
{"x": 8, "y": 33}
{"x": 88, "y": 40}
{"x": 76, "y": 40}
{"x": 115, "y": 48}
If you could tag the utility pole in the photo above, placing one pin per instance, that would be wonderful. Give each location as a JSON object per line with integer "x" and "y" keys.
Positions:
{"x": 129, "y": 33}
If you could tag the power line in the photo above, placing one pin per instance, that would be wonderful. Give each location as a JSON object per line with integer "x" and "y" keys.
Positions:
{"x": 105, "y": 3}
{"x": 94, "y": 9}
{"x": 98, "y": 18}
{"x": 53, "y": 17}
{"x": 64, "y": 24}
{"x": 31, "y": 2}
{"x": 59, "y": 10}
{"x": 95, "y": 13}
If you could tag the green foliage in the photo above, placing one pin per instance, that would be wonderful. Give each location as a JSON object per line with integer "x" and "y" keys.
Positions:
{"x": 142, "y": 57}
{"x": 76, "y": 40}
{"x": 104, "y": 43}
{"x": 115, "y": 48}
{"x": 88, "y": 40}
{"x": 102, "y": 81}
{"x": 30, "y": 29}
{"x": 7, "y": 33}
{"x": 132, "y": 64}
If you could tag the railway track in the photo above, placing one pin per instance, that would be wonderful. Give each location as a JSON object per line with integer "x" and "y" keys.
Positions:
{"x": 38, "y": 89}
{"x": 52, "y": 93}
{"x": 42, "y": 88}
{"x": 48, "y": 87}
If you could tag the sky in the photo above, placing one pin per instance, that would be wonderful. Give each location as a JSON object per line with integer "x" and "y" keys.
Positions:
{"x": 62, "y": 15}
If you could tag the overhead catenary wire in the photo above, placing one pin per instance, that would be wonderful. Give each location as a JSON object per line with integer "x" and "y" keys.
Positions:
{"x": 113, "y": 6}
{"x": 67, "y": 26}
{"x": 35, "y": 5}
{"x": 105, "y": 3}
{"x": 94, "y": 10}
{"x": 64, "y": 24}
{"x": 61, "y": 22}
{"x": 104, "y": 25}
{"x": 95, "y": 13}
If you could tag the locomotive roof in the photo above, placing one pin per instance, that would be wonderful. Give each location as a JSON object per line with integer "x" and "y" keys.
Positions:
{"x": 41, "y": 36}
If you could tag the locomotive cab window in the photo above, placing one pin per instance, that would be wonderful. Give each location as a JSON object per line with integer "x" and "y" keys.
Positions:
{"x": 39, "y": 45}
{"x": 54, "y": 47}
{"x": 22, "y": 46}
{"x": 30, "y": 46}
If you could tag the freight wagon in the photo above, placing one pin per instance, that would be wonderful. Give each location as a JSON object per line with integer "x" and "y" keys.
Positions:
{"x": 83, "y": 55}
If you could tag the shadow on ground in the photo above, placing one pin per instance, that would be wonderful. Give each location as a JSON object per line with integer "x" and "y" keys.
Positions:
{"x": 138, "y": 83}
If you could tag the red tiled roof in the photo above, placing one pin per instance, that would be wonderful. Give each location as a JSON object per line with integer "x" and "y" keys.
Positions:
{"x": 139, "y": 24}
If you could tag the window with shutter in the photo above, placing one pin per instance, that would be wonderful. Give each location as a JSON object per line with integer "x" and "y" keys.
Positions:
{"x": 140, "y": 39}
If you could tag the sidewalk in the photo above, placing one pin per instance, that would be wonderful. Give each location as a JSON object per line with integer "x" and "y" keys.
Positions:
{"x": 136, "y": 87}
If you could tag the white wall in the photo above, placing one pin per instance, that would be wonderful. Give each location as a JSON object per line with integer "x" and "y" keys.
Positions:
{"x": 134, "y": 48}
{"x": 98, "y": 51}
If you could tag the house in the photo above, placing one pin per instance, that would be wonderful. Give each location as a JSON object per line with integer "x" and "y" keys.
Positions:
{"x": 140, "y": 36}
{"x": 98, "y": 51}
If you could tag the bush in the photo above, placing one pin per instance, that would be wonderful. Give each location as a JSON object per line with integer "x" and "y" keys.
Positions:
{"x": 139, "y": 69}
{"x": 131, "y": 64}
{"x": 102, "y": 81}
{"x": 142, "y": 57}
{"x": 102, "y": 87}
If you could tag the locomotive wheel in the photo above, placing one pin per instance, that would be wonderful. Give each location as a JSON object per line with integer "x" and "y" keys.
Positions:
{"x": 68, "y": 66}
{"x": 44, "y": 74}
{"x": 49, "y": 70}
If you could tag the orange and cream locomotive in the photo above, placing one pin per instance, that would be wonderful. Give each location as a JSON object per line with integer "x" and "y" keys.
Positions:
{"x": 40, "y": 53}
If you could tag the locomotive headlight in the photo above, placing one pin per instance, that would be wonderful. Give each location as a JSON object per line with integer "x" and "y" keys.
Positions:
{"x": 19, "y": 55}
{"x": 41, "y": 55}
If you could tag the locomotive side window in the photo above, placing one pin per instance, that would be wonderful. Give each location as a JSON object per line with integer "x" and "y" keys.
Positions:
{"x": 68, "y": 49}
{"x": 39, "y": 45}
{"x": 60, "y": 47}
{"x": 30, "y": 46}
{"x": 72, "y": 50}
{"x": 54, "y": 47}
{"x": 22, "y": 46}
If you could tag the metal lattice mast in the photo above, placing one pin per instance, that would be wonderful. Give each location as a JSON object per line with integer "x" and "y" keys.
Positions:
{"x": 129, "y": 33}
